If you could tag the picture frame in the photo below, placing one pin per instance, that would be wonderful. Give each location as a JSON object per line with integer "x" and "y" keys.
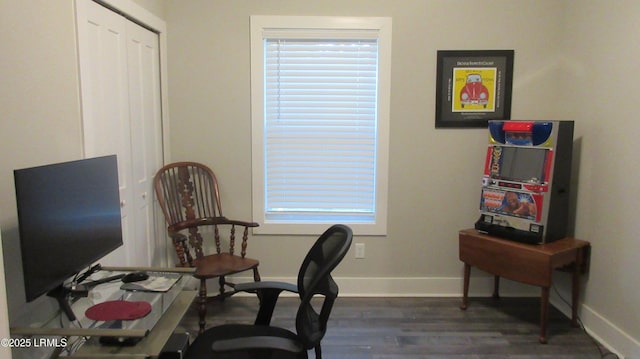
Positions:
{"x": 473, "y": 87}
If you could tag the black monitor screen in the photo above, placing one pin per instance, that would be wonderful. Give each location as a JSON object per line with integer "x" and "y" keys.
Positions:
{"x": 69, "y": 217}
{"x": 519, "y": 163}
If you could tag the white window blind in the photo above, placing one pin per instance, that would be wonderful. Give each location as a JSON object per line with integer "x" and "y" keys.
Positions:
{"x": 320, "y": 129}
{"x": 317, "y": 129}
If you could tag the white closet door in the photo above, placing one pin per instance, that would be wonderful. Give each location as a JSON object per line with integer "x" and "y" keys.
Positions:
{"x": 146, "y": 134}
{"x": 105, "y": 101}
{"x": 119, "y": 75}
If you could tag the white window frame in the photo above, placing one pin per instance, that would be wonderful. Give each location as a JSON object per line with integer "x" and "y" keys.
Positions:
{"x": 261, "y": 26}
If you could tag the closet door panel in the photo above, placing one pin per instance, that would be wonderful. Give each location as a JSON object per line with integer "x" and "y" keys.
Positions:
{"x": 102, "y": 47}
{"x": 146, "y": 131}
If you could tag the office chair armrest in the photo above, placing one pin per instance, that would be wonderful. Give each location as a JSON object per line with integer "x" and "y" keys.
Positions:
{"x": 253, "y": 287}
{"x": 262, "y": 342}
{"x": 268, "y": 293}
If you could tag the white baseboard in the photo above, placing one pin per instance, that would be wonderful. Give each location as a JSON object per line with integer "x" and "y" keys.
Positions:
{"x": 412, "y": 286}
{"x": 601, "y": 329}
{"x": 612, "y": 337}
{"x": 427, "y": 287}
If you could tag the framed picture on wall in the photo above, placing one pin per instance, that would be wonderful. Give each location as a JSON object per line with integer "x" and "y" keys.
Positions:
{"x": 473, "y": 87}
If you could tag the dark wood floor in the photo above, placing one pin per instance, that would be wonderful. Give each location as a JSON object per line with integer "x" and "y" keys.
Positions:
{"x": 434, "y": 328}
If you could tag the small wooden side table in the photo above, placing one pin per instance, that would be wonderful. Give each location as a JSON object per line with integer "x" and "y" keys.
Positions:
{"x": 525, "y": 263}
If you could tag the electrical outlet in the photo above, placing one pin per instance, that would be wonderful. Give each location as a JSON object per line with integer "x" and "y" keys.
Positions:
{"x": 359, "y": 250}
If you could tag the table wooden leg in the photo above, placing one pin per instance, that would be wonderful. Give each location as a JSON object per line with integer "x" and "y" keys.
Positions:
{"x": 544, "y": 314}
{"x": 575, "y": 290}
{"x": 496, "y": 287}
{"x": 465, "y": 290}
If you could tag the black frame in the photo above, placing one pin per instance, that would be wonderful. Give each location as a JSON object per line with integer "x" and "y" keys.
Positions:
{"x": 450, "y": 111}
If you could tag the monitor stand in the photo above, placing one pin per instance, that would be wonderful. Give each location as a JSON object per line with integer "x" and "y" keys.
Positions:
{"x": 61, "y": 294}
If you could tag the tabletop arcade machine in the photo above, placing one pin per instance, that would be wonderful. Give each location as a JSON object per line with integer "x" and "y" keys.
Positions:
{"x": 526, "y": 180}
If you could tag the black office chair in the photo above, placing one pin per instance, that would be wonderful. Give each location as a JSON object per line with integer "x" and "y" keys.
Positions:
{"x": 261, "y": 340}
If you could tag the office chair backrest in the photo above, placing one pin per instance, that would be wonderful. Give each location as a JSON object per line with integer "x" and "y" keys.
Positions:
{"x": 314, "y": 278}
{"x": 187, "y": 191}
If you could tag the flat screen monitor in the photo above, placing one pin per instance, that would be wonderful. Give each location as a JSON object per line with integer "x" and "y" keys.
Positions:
{"x": 69, "y": 217}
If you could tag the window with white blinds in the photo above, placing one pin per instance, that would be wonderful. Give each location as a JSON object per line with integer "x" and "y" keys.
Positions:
{"x": 320, "y": 133}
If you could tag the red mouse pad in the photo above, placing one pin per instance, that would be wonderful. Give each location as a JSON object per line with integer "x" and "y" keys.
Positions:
{"x": 118, "y": 310}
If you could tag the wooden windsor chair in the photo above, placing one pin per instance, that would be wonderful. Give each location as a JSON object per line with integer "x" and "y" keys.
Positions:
{"x": 190, "y": 200}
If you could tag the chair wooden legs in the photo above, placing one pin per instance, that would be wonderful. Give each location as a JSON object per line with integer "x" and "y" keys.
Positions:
{"x": 202, "y": 304}
{"x": 221, "y": 283}
{"x": 202, "y": 296}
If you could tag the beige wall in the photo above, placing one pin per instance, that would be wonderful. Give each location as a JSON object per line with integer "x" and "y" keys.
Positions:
{"x": 5, "y": 351}
{"x": 598, "y": 89}
{"x": 574, "y": 65}
{"x": 156, "y": 7}
{"x": 434, "y": 174}
{"x": 39, "y": 103}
